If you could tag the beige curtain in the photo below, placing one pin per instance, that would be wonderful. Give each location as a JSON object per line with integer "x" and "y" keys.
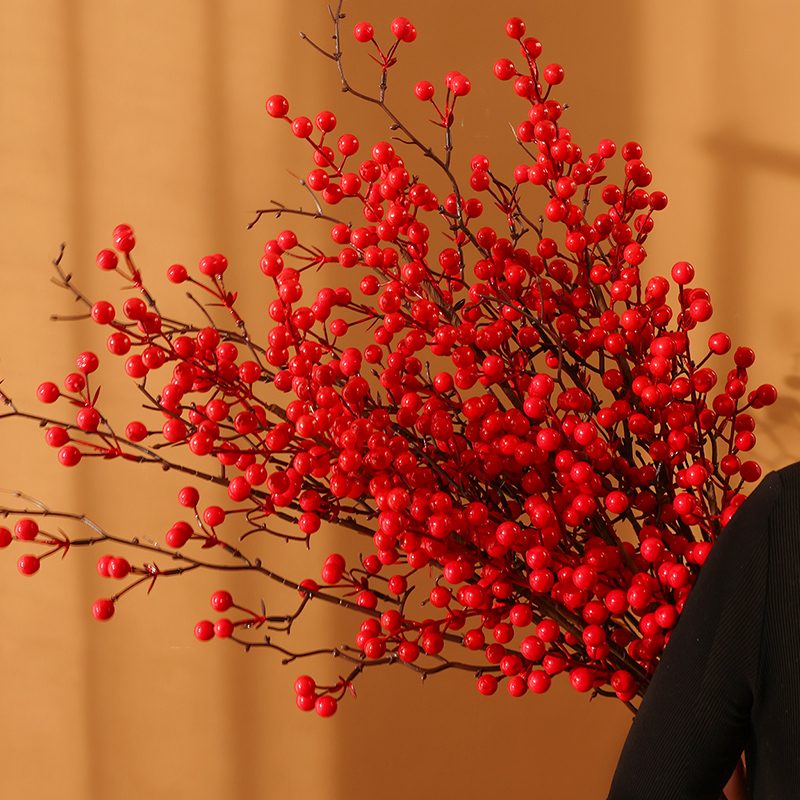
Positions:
{"x": 152, "y": 113}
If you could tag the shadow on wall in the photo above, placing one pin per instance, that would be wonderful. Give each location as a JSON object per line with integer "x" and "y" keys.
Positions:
{"x": 746, "y": 217}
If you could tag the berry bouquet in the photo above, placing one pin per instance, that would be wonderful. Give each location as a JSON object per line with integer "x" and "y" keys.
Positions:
{"x": 526, "y": 446}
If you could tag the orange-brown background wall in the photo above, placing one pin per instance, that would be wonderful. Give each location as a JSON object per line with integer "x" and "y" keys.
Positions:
{"x": 151, "y": 112}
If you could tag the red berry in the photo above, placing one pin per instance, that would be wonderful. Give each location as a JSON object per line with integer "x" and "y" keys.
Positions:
{"x": 515, "y": 28}
{"x": 305, "y": 685}
{"x": 135, "y": 431}
{"x": 682, "y": 273}
{"x": 69, "y": 455}
{"x": 214, "y": 516}
{"x": 103, "y": 312}
{"x": 177, "y": 273}
{"x": 539, "y": 681}
{"x": 124, "y": 240}
{"x": 204, "y": 630}
{"x": 401, "y": 27}
{"x": 48, "y": 392}
{"x": 221, "y": 600}
{"x": 118, "y": 568}
{"x": 26, "y": 529}
{"x": 363, "y": 32}
{"x": 460, "y": 85}
{"x": 302, "y": 127}
{"x": 103, "y": 609}
{"x": 107, "y": 259}
{"x": 581, "y": 678}
{"x": 424, "y": 90}
{"x": 325, "y": 706}
{"x": 325, "y": 121}
{"x": 177, "y": 536}
{"x": 102, "y": 566}
{"x": 28, "y": 564}
{"x": 86, "y": 362}
{"x": 616, "y": 502}
{"x": 554, "y": 74}
{"x": 189, "y": 497}
{"x": 277, "y": 106}
{"x": 504, "y": 69}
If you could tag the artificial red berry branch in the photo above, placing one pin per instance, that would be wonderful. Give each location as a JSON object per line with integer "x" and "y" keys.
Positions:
{"x": 526, "y": 434}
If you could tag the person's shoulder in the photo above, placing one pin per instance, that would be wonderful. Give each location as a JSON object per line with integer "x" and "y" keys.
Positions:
{"x": 778, "y": 492}
{"x": 787, "y": 476}
{"x": 776, "y": 488}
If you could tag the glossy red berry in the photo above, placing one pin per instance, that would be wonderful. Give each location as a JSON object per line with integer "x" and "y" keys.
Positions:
{"x": 363, "y": 32}
{"x": 26, "y": 529}
{"x": 582, "y": 679}
{"x": 118, "y": 568}
{"x": 515, "y": 28}
{"x": 48, "y": 392}
{"x": 103, "y": 312}
{"x": 107, "y": 260}
{"x": 277, "y": 106}
{"x": 325, "y": 706}
{"x": 69, "y": 455}
{"x": 204, "y": 630}
{"x": 28, "y": 564}
{"x": 221, "y": 600}
{"x": 103, "y": 609}
{"x": 424, "y": 90}
{"x": 177, "y": 273}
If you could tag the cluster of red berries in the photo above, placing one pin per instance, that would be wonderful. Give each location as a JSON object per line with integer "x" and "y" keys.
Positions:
{"x": 533, "y": 423}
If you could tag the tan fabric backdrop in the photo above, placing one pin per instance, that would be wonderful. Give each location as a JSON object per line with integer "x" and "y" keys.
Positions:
{"x": 151, "y": 112}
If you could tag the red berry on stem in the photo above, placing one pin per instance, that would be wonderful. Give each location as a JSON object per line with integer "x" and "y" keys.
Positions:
{"x": 189, "y": 497}
{"x": 277, "y": 106}
{"x": 325, "y": 706}
{"x": 177, "y": 273}
{"x": 515, "y": 28}
{"x": 69, "y": 455}
{"x": 302, "y": 127}
{"x": 28, "y": 564}
{"x": 582, "y": 679}
{"x": 363, "y": 32}
{"x": 682, "y": 273}
{"x": 554, "y": 74}
{"x": 26, "y": 529}
{"x": 103, "y": 312}
{"x": 87, "y": 363}
{"x": 204, "y": 630}
{"x": 48, "y": 392}
{"x": 305, "y": 685}
{"x": 103, "y": 609}
{"x": 401, "y": 27}
{"x": 221, "y": 600}
{"x": 107, "y": 260}
{"x": 118, "y": 568}
{"x": 424, "y": 90}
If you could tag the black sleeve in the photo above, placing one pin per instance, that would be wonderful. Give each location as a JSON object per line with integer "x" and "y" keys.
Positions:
{"x": 695, "y": 719}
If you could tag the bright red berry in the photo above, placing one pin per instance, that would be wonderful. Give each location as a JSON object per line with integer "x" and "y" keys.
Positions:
{"x": 28, "y": 564}
{"x": 103, "y": 609}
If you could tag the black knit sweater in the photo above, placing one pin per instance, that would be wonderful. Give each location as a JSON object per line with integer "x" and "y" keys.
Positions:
{"x": 729, "y": 680}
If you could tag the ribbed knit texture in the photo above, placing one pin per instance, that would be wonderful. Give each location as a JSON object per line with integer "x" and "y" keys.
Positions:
{"x": 729, "y": 680}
